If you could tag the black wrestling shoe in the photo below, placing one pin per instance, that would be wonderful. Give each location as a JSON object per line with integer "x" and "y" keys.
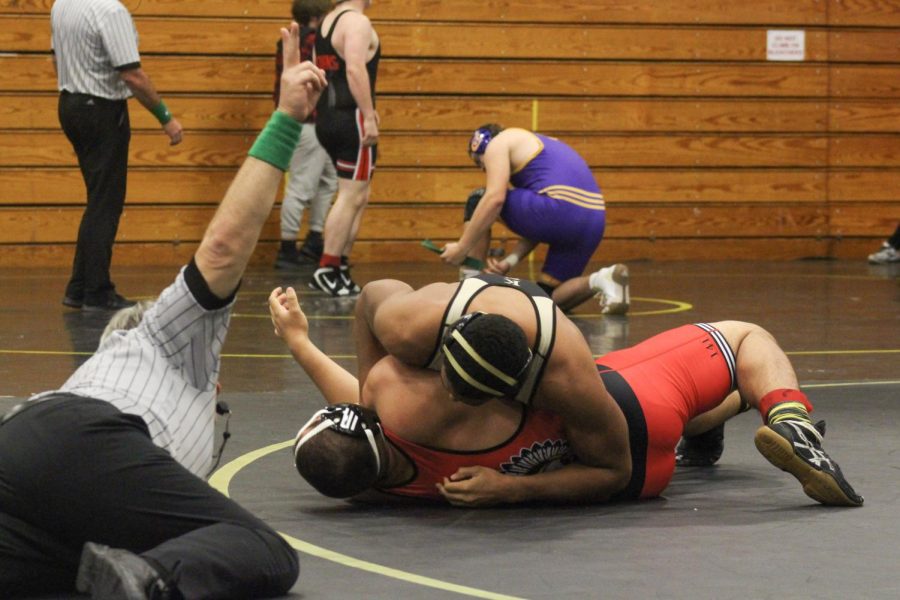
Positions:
{"x": 329, "y": 280}
{"x": 114, "y": 574}
{"x": 796, "y": 447}
{"x": 701, "y": 450}
{"x": 72, "y": 302}
{"x": 352, "y": 287}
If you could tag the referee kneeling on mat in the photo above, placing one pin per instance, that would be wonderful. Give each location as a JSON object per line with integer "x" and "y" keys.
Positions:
{"x": 101, "y": 485}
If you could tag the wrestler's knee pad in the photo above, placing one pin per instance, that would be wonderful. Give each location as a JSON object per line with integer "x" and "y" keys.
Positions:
{"x": 472, "y": 203}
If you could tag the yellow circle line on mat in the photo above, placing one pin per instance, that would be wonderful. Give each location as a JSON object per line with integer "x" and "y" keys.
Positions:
{"x": 353, "y": 356}
{"x": 677, "y": 307}
{"x": 221, "y": 480}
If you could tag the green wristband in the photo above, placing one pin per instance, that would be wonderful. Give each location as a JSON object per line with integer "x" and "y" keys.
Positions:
{"x": 277, "y": 141}
{"x": 161, "y": 112}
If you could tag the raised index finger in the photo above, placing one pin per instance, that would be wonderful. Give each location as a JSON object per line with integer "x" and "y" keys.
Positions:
{"x": 290, "y": 45}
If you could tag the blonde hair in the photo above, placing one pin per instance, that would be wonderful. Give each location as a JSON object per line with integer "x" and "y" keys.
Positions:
{"x": 127, "y": 318}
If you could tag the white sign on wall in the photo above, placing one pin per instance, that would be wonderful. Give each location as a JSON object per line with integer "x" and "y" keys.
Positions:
{"x": 783, "y": 44}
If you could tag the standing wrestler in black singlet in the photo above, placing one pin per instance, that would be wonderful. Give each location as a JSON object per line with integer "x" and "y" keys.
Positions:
{"x": 348, "y": 50}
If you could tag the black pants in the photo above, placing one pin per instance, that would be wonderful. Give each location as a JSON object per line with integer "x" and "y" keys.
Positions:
{"x": 99, "y": 131}
{"x": 74, "y": 470}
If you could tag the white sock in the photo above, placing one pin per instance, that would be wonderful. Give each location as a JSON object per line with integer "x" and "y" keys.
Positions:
{"x": 595, "y": 280}
{"x": 465, "y": 273}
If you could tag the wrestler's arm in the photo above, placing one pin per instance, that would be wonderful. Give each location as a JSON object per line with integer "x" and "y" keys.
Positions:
{"x": 392, "y": 318}
{"x": 497, "y": 169}
{"x": 336, "y": 383}
{"x": 597, "y": 434}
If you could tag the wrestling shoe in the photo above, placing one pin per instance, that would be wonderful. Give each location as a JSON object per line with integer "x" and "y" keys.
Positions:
{"x": 611, "y": 285}
{"x": 701, "y": 450}
{"x": 114, "y": 574}
{"x": 887, "y": 254}
{"x": 351, "y": 286}
{"x": 329, "y": 280}
{"x": 796, "y": 447}
{"x": 313, "y": 246}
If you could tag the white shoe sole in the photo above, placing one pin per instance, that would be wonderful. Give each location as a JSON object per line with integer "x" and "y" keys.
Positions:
{"x": 620, "y": 277}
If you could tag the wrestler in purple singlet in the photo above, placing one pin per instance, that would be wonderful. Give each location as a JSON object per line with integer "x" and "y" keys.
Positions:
{"x": 555, "y": 200}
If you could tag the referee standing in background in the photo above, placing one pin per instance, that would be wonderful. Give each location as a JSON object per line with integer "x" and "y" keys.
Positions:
{"x": 95, "y": 53}
{"x": 102, "y": 481}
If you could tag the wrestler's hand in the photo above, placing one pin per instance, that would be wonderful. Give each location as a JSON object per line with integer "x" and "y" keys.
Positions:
{"x": 370, "y": 129}
{"x": 301, "y": 83}
{"x": 476, "y": 486}
{"x": 497, "y": 267}
{"x": 288, "y": 318}
{"x": 453, "y": 254}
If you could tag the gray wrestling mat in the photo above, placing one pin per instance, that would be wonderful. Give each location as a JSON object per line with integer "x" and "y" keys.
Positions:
{"x": 741, "y": 529}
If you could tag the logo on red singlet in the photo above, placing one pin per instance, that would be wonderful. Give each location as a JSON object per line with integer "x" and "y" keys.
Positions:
{"x": 538, "y": 458}
{"x": 328, "y": 62}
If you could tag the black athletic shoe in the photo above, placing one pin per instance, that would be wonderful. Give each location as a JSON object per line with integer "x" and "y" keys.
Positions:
{"x": 329, "y": 280}
{"x": 701, "y": 450}
{"x": 72, "y": 302}
{"x": 114, "y": 574}
{"x": 313, "y": 246}
{"x": 796, "y": 447}
{"x": 288, "y": 261}
{"x": 112, "y": 302}
{"x": 351, "y": 285}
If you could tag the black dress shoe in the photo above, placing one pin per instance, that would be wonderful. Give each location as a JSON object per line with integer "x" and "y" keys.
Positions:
{"x": 113, "y": 574}
{"x": 72, "y": 302}
{"x": 113, "y": 302}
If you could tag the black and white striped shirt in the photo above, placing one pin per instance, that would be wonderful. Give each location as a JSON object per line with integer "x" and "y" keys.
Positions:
{"x": 93, "y": 40}
{"x": 165, "y": 371}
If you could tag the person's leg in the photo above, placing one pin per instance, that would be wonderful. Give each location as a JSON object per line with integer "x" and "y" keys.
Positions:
{"x": 355, "y": 164}
{"x": 104, "y": 481}
{"x": 32, "y": 561}
{"x": 297, "y": 194}
{"x": 788, "y": 439}
{"x": 314, "y": 244}
{"x": 100, "y": 133}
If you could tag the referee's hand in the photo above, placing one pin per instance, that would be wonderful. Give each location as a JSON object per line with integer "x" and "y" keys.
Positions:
{"x": 301, "y": 83}
{"x": 174, "y": 130}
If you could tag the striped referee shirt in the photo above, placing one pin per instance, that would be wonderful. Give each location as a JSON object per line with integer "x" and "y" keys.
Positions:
{"x": 165, "y": 370}
{"x": 93, "y": 40}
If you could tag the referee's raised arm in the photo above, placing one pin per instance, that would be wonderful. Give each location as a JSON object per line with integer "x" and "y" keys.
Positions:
{"x": 234, "y": 230}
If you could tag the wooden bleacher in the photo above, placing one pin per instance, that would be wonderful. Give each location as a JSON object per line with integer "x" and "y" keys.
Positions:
{"x": 703, "y": 148}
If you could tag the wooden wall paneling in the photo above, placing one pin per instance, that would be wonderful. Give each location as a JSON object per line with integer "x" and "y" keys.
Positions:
{"x": 865, "y": 45}
{"x": 459, "y": 113}
{"x": 879, "y": 13}
{"x": 785, "y": 12}
{"x": 443, "y": 40}
{"x": 711, "y": 185}
{"x": 586, "y": 42}
{"x": 365, "y": 251}
{"x": 864, "y": 185}
{"x": 853, "y": 81}
{"x": 634, "y": 150}
{"x": 147, "y": 148}
{"x": 681, "y": 114}
{"x": 211, "y": 149}
{"x": 402, "y": 186}
{"x": 592, "y": 78}
{"x": 876, "y": 116}
{"x": 197, "y": 8}
{"x": 252, "y": 74}
{"x": 864, "y": 219}
{"x": 187, "y": 223}
{"x": 807, "y": 12}
{"x": 220, "y": 112}
{"x": 45, "y": 186}
{"x": 865, "y": 151}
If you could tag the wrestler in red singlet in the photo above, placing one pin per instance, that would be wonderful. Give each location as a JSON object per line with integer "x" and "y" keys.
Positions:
{"x": 660, "y": 384}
